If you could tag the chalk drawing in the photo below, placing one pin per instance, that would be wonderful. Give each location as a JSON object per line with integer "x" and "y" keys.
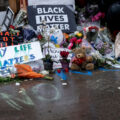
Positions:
{"x": 9, "y": 101}
{"x": 27, "y": 100}
{"x": 36, "y": 90}
{"x": 8, "y": 98}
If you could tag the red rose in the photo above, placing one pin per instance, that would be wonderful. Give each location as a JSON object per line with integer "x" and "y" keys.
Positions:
{"x": 12, "y": 27}
{"x": 58, "y": 70}
{"x": 64, "y": 54}
{"x": 39, "y": 37}
{"x": 66, "y": 70}
{"x": 93, "y": 28}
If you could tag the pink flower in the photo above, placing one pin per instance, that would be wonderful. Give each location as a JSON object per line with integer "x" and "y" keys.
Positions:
{"x": 70, "y": 46}
{"x": 98, "y": 16}
{"x": 72, "y": 40}
{"x": 79, "y": 41}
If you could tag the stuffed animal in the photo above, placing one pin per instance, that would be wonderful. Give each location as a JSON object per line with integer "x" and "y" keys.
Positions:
{"x": 82, "y": 61}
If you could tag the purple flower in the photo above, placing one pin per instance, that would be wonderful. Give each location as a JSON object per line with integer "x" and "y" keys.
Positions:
{"x": 107, "y": 51}
{"x": 99, "y": 46}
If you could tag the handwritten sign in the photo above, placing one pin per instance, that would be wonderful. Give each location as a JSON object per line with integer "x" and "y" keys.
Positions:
{"x": 20, "y": 54}
{"x": 8, "y": 39}
{"x": 55, "y": 54}
{"x": 54, "y": 15}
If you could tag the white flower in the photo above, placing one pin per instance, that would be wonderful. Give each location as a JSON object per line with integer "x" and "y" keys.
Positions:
{"x": 96, "y": 54}
{"x": 44, "y": 72}
{"x": 87, "y": 29}
{"x": 76, "y": 32}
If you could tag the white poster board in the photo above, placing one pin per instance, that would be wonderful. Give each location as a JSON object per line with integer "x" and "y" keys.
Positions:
{"x": 55, "y": 54}
{"x": 23, "y": 53}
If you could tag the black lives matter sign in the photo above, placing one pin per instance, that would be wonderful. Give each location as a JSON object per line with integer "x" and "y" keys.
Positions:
{"x": 54, "y": 15}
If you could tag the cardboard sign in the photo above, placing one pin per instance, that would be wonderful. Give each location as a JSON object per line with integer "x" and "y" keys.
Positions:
{"x": 55, "y": 54}
{"x": 8, "y": 39}
{"x": 54, "y": 15}
{"x": 20, "y": 54}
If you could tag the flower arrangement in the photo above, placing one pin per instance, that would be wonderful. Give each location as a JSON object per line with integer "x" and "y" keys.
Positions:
{"x": 64, "y": 61}
{"x": 101, "y": 61}
{"x": 92, "y": 29}
{"x": 48, "y": 62}
{"x": 98, "y": 59}
{"x": 92, "y": 33}
{"x": 75, "y": 40}
{"x": 103, "y": 47}
{"x": 64, "y": 54}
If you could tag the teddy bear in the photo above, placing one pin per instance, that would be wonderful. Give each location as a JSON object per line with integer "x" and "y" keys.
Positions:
{"x": 81, "y": 60}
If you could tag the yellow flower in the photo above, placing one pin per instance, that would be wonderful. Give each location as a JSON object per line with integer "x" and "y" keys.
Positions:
{"x": 57, "y": 46}
{"x": 79, "y": 34}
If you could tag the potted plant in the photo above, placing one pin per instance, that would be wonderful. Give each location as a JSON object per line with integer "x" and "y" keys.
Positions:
{"x": 64, "y": 61}
{"x": 48, "y": 62}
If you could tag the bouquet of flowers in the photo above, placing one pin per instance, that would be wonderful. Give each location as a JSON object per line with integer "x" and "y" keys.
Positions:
{"x": 75, "y": 40}
{"x": 104, "y": 47}
{"x": 101, "y": 61}
{"x": 64, "y": 54}
{"x": 64, "y": 61}
{"x": 92, "y": 33}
